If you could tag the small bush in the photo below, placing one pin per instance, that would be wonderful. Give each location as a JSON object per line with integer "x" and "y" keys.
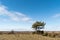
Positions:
{"x": 45, "y": 34}
{"x": 33, "y": 32}
{"x": 40, "y": 32}
{"x": 54, "y": 35}
{"x": 1, "y": 33}
{"x": 51, "y": 35}
{"x": 12, "y": 32}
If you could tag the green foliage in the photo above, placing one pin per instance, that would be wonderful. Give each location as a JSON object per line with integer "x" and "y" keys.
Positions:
{"x": 38, "y": 25}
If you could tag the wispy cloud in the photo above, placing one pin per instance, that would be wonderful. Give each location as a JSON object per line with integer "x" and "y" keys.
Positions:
{"x": 56, "y": 16}
{"x": 13, "y": 15}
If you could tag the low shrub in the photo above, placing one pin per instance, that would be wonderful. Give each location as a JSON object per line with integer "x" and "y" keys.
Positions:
{"x": 45, "y": 34}
{"x": 12, "y": 32}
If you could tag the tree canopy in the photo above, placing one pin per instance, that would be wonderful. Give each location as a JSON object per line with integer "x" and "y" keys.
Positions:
{"x": 38, "y": 25}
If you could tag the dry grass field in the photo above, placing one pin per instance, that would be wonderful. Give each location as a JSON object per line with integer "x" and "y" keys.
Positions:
{"x": 25, "y": 37}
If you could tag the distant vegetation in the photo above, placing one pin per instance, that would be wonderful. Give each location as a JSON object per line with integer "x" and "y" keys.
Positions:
{"x": 29, "y": 36}
{"x": 37, "y": 26}
{"x": 40, "y": 25}
{"x": 38, "y": 34}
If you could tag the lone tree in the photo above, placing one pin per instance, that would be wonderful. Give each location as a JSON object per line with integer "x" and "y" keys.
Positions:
{"x": 38, "y": 25}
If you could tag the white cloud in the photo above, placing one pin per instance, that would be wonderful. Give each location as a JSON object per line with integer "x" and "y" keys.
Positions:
{"x": 13, "y": 15}
{"x": 56, "y": 16}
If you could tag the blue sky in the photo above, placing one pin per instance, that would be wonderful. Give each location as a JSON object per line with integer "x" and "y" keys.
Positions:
{"x": 21, "y": 14}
